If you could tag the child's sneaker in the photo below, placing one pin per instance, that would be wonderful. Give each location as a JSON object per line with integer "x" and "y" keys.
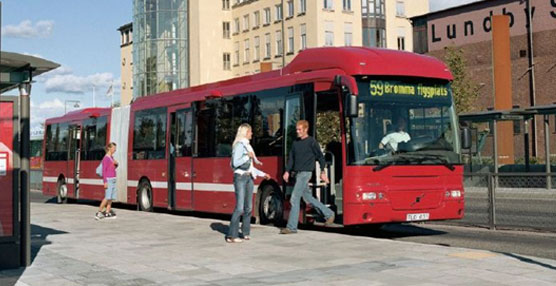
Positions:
{"x": 99, "y": 216}
{"x": 109, "y": 215}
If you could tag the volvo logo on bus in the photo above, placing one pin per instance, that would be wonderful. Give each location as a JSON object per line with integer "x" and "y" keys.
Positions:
{"x": 418, "y": 199}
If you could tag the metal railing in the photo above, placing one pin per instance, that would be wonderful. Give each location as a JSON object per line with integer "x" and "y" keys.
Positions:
{"x": 510, "y": 200}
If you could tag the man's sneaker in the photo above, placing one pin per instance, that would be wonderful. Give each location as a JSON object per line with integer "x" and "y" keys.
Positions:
{"x": 109, "y": 215}
{"x": 99, "y": 216}
{"x": 287, "y": 231}
{"x": 330, "y": 220}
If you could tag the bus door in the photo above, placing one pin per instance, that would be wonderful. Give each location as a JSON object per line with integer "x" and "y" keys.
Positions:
{"x": 328, "y": 134}
{"x": 180, "y": 193}
{"x": 74, "y": 158}
{"x": 292, "y": 113}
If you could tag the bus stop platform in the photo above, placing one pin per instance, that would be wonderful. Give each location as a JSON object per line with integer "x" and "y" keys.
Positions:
{"x": 69, "y": 247}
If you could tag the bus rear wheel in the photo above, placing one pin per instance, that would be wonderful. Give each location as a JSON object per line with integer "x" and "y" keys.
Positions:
{"x": 61, "y": 192}
{"x": 271, "y": 206}
{"x": 144, "y": 197}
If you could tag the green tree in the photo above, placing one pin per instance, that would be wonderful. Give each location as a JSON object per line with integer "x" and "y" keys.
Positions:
{"x": 465, "y": 91}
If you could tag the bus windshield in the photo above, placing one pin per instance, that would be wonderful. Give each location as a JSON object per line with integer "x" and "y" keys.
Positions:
{"x": 403, "y": 122}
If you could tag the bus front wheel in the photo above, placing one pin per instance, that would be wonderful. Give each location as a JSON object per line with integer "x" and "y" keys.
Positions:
{"x": 61, "y": 192}
{"x": 144, "y": 196}
{"x": 271, "y": 206}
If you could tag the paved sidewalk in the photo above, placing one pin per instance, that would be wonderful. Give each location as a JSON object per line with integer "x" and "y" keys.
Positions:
{"x": 138, "y": 248}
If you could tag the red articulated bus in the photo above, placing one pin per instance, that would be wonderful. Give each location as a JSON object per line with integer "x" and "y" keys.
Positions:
{"x": 174, "y": 148}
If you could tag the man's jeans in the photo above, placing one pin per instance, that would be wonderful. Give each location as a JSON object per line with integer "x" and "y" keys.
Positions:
{"x": 301, "y": 189}
{"x": 243, "y": 185}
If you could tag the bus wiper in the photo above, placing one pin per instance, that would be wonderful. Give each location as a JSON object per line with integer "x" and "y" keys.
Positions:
{"x": 443, "y": 161}
{"x": 380, "y": 167}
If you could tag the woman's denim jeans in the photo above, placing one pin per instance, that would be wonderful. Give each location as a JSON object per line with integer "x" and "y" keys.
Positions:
{"x": 243, "y": 185}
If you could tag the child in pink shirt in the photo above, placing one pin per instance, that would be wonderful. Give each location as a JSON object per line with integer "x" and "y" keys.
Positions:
{"x": 109, "y": 179}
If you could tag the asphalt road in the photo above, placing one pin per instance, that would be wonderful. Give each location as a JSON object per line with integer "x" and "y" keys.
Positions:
{"x": 538, "y": 244}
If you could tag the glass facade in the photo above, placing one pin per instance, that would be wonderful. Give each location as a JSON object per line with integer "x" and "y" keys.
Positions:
{"x": 374, "y": 23}
{"x": 160, "y": 46}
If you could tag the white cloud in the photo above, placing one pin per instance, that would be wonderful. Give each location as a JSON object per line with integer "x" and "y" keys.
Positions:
{"x": 62, "y": 70}
{"x": 47, "y": 109}
{"x": 70, "y": 83}
{"x": 436, "y": 5}
{"x": 26, "y": 29}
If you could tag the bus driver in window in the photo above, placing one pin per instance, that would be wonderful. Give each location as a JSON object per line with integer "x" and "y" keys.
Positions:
{"x": 391, "y": 140}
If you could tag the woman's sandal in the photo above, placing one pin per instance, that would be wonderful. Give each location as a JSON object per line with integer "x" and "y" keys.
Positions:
{"x": 233, "y": 240}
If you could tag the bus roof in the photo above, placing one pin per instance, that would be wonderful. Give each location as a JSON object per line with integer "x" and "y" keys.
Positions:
{"x": 80, "y": 115}
{"x": 312, "y": 65}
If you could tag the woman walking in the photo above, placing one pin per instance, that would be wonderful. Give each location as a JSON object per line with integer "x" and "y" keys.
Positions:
{"x": 109, "y": 166}
{"x": 243, "y": 158}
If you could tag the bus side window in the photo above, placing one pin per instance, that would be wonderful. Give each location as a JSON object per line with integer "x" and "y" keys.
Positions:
{"x": 268, "y": 112}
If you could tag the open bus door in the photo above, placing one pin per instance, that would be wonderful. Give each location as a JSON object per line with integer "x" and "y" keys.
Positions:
{"x": 292, "y": 113}
{"x": 180, "y": 195}
{"x": 74, "y": 158}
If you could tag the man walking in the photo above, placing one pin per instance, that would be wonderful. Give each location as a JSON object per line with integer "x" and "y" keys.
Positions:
{"x": 303, "y": 154}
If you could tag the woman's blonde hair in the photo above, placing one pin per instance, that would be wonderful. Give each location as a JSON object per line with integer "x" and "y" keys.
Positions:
{"x": 110, "y": 145}
{"x": 241, "y": 132}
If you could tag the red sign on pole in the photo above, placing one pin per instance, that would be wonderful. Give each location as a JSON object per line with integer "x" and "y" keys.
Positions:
{"x": 6, "y": 169}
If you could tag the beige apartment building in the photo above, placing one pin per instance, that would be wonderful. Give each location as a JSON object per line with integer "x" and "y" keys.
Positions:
{"x": 239, "y": 37}
{"x": 126, "y": 47}
{"x": 386, "y": 23}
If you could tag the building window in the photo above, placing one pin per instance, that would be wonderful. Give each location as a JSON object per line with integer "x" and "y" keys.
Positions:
{"x": 246, "y": 51}
{"x": 236, "y": 25}
{"x": 278, "y": 43}
{"x": 257, "y": 48}
{"x": 328, "y": 4}
{"x": 348, "y": 34}
{"x": 303, "y": 36}
{"x": 267, "y": 46}
{"x": 290, "y": 40}
{"x": 347, "y": 5}
{"x": 329, "y": 33}
{"x": 302, "y": 6}
{"x": 236, "y": 53}
{"x": 246, "y": 23}
{"x": 225, "y": 4}
{"x": 278, "y": 12}
{"x": 227, "y": 63}
{"x": 226, "y": 30}
{"x": 400, "y": 9}
{"x": 401, "y": 39}
{"x": 290, "y": 9}
{"x": 256, "y": 19}
{"x": 266, "y": 16}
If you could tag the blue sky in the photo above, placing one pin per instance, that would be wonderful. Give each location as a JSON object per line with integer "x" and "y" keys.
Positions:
{"x": 82, "y": 36}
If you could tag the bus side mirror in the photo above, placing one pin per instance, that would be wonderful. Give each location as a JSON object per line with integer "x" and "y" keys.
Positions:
{"x": 466, "y": 138}
{"x": 351, "y": 106}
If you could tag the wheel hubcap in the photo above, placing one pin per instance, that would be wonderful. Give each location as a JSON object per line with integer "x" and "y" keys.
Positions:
{"x": 269, "y": 207}
{"x": 145, "y": 200}
{"x": 63, "y": 191}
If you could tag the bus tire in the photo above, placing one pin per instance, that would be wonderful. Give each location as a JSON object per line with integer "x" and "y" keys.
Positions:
{"x": 271, "y": 205}
{"x": 61, "y": 192}
{"x": 145, "y": 196}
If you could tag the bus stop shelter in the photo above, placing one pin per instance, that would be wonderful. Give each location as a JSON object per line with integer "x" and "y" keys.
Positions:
{"x": 517, "y": 115}
{"x": 16, "y": 72}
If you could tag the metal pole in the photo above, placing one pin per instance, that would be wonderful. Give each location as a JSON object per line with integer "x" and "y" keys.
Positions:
{"x": 24, "y": 91}
{"x": 526, "y": 143}
{"x": 491, "y": 199}
{"x": 547, "y": 150}
{"x": 495, "y": 143}
{"x": 531, "y": 76}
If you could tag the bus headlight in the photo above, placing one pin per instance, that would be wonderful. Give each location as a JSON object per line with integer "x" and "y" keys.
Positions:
{"x": 369, "y": 196}
{"x": 455, "y": 193}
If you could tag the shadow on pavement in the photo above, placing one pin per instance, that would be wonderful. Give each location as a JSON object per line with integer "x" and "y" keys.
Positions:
{"x": 389, "y": 231}
{"x": 39, "y": 236}
{"x": 529, "y": 260}
{"x": 220, "y": 227}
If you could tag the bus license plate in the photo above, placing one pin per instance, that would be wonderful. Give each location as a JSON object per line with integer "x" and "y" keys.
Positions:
{"x": 414, "y": 217}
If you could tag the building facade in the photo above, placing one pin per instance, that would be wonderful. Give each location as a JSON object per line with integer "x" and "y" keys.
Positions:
{"x": 386, "y": 23}
{"x": 181, "y": 43}
{"x": 126, "y": 56}
{"x": 468, "y": 28}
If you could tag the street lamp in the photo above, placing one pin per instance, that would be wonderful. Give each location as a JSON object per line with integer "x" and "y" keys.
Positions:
{"x": 76, "y": 104}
